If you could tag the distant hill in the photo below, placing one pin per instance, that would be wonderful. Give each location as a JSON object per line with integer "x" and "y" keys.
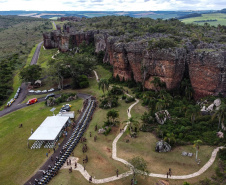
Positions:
{"x": 222, "y": 11}
{"x": 90, "y": 14}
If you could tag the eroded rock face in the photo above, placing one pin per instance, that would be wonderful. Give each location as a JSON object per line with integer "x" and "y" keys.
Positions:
{"x": 207, "y": 70}
{"x": 52, "y": 39}
{"x": 134, "y": 59}
{"x": 68, "y": 39}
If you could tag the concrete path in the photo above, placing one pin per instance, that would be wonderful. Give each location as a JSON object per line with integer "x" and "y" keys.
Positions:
{"x": 53, "y": 57}
{"x": 86, "y": 175}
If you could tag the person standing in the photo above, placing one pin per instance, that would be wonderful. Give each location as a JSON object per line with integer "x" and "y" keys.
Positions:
{"x": 117, "y": 172}
{"x": 46, "y": 154}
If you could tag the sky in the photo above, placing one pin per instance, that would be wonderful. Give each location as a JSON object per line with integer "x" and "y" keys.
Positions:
{"x": 111, "y": 5}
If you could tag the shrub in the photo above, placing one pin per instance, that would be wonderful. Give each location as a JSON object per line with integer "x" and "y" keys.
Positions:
{"x": 109, "y": 102}
{"x": 116, "y": 90}
{"x": 129, "y": 99}
{"x": 107, "y": 131}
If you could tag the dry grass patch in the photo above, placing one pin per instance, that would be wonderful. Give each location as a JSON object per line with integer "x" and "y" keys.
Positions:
{"x": 144, "y": 146}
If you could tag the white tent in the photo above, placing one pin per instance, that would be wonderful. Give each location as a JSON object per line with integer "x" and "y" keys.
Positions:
{"x": 49, "y": 129}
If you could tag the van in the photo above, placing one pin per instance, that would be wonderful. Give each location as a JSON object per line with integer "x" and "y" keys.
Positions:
{"x": 32, "y": 101}
{"x": 49, "y": 95}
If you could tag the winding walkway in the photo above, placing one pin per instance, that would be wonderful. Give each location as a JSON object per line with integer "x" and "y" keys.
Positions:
{"x": 86, "y": 175}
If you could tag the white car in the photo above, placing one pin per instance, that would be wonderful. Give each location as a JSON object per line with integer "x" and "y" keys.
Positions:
{"x": 38, "y": 91}
{"x": 50, "y": 90}
{"x": 44, "y": 91}
{"x": 31, "y": 91}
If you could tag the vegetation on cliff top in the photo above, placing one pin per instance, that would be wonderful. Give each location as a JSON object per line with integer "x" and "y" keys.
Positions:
{"x": 134, "y": 28}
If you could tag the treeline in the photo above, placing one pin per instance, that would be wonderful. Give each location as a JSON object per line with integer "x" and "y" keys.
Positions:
{"x": 7, "y": 67}
{"x": 190, "y": 16}
{"x": 11, "y": 20}
{"x": 131, "y": 29}
{"x": 18, "y": 36}
{"x": 209, "y": 20}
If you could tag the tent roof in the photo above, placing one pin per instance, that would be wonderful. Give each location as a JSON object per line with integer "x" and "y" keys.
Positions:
{"x": 49, "y": 129}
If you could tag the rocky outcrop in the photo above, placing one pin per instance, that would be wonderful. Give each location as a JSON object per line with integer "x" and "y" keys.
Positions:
{"x": 52, "y": 39}
{"x": 206, "y": 63}
{"x": 68, "y": 39}
{"x": 135, "y": 60}
{"x": 207, "y": 71}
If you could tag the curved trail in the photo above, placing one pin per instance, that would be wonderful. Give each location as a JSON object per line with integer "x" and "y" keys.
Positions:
{"x": 86, "y": 175}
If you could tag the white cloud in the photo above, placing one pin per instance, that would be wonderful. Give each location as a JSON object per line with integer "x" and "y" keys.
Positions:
{"x": 111, "y": 5}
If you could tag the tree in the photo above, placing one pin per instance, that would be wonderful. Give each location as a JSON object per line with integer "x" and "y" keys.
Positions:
{"x": 31, "y": 73}
{"x": 221, "y": 114}
{"x": 193, "y": 111}
{"x": 139, "y": 165}
{"x": 187, "y": 88}
{"x": 160, "y": 105}
{"x": 132, "y": 123}
{"x": 197, "y": 144}
{"x": 103, "y": 84}
{"x": 170, "y": 137}
{"x": 57, "y": 71}
{"x": 112, "y": 115}
{"x": 158, "y": 84}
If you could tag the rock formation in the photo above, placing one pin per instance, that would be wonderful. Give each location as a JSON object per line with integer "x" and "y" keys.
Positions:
{"x": 206, "y": 64}
{"x": 162, "y": 146}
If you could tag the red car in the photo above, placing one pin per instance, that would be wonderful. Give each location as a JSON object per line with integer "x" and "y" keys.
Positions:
{"x": 32, "y": 101}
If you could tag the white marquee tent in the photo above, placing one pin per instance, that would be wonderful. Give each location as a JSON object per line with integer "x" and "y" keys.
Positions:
{"x": 50, "y": 129}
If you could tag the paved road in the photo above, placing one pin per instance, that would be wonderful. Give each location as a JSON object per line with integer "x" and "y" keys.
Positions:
{"x": 54, "y": 24}
{"x": 23, "y": 93}
{"x": 36, "y": 54}
{"x": 20, "y": 106}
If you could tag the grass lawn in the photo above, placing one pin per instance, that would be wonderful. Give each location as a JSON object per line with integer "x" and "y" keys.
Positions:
{"x": 144, "y": 146}
{"x": 18, "y": 162}
{"x": 101, "y": 165}
{"x": 45, "y": 56}
{"x": 76, "y": 178}
{"x": 220, "y": 17}
{"x": 93, "y": 88}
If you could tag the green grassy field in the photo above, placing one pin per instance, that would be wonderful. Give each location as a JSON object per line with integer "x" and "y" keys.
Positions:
{"x": 45, "y": 56}
{"x": 18, "y": 162}
{"x": 220, "y": 17}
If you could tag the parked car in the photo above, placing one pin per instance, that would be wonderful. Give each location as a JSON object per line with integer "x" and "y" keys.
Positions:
{"x": 66, "y": 107}
{"x": 32, "y": 101}
{"x": 12, "y": 100}
{"x": 49, "y": 95}
{"x": 31, "y": 91}
{"x": 50, "y": 90}
{"x": 44, "y": 91}
{"x": 18, "y": 90}
{"x": 38, "y": 91}
{"x": 16, "y": 96}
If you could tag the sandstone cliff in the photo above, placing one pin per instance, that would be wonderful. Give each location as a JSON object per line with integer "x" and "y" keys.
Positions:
{"x": 206, "y": 64}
